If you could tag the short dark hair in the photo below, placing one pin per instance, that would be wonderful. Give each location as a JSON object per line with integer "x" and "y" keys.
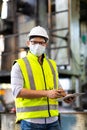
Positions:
{"x": 31, "y": 37}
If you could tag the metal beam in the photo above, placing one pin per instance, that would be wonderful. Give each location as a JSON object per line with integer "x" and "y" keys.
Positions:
{"x": 85, "y": 1}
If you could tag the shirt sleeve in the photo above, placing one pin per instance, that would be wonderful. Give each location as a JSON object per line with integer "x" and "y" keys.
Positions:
{"x": 16, "y": 79}
{"x": 60, "y": 86}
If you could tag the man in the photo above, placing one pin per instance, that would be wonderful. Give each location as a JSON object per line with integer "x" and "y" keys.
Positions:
{"x": 35, "y": 86}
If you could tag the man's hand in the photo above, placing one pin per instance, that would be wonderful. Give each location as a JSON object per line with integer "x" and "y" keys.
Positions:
{"x": 56, "y": 93}
{"x": 69, "y": 99}
{"x": 25, "y": 93}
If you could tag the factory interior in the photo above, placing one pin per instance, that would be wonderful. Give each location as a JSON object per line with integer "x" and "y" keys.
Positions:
{"x": 66, "y": 24}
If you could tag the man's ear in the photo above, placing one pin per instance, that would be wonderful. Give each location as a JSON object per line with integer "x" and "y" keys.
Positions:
{"x": 28, "y": 43}
{"x": 46, "y": 44}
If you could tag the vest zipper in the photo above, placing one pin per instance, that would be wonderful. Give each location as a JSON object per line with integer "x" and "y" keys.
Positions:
{"x": 46, "y": 89}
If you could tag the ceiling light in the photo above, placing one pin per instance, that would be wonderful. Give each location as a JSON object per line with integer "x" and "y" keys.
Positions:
{"x": 4, "y": 11}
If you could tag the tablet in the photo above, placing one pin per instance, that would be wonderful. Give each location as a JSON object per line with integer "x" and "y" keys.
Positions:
{"x": 73, "y": 95}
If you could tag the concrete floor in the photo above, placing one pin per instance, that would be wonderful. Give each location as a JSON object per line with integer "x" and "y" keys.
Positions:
{"x": 70, "y": 120}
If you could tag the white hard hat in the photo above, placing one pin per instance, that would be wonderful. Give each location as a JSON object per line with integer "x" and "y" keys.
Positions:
{"x": 38, "y": 31}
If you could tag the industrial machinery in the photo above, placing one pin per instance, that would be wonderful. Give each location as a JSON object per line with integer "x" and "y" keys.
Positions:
{"x": 66, "y": 23}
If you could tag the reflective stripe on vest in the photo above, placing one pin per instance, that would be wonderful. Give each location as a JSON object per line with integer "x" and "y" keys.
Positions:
{"x": 53, "y": 72}
{"x": 36, "y": 108}
{"x": 30, "y": 74}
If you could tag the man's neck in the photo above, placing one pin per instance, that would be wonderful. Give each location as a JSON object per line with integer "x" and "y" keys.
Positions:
{"x": 40, "y": 59}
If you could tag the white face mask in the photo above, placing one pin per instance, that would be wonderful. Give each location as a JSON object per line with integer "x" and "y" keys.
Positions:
{"x": 37, "y": 49}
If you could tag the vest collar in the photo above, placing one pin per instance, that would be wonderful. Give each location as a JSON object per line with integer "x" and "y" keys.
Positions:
{"x": 34, "y": 57}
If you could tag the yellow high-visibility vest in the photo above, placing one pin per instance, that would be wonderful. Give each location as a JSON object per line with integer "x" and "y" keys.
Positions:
{"x": 37, "y": 77}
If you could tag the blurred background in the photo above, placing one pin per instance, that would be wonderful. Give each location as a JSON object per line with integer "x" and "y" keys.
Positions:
{"x": 66, "y": 24}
